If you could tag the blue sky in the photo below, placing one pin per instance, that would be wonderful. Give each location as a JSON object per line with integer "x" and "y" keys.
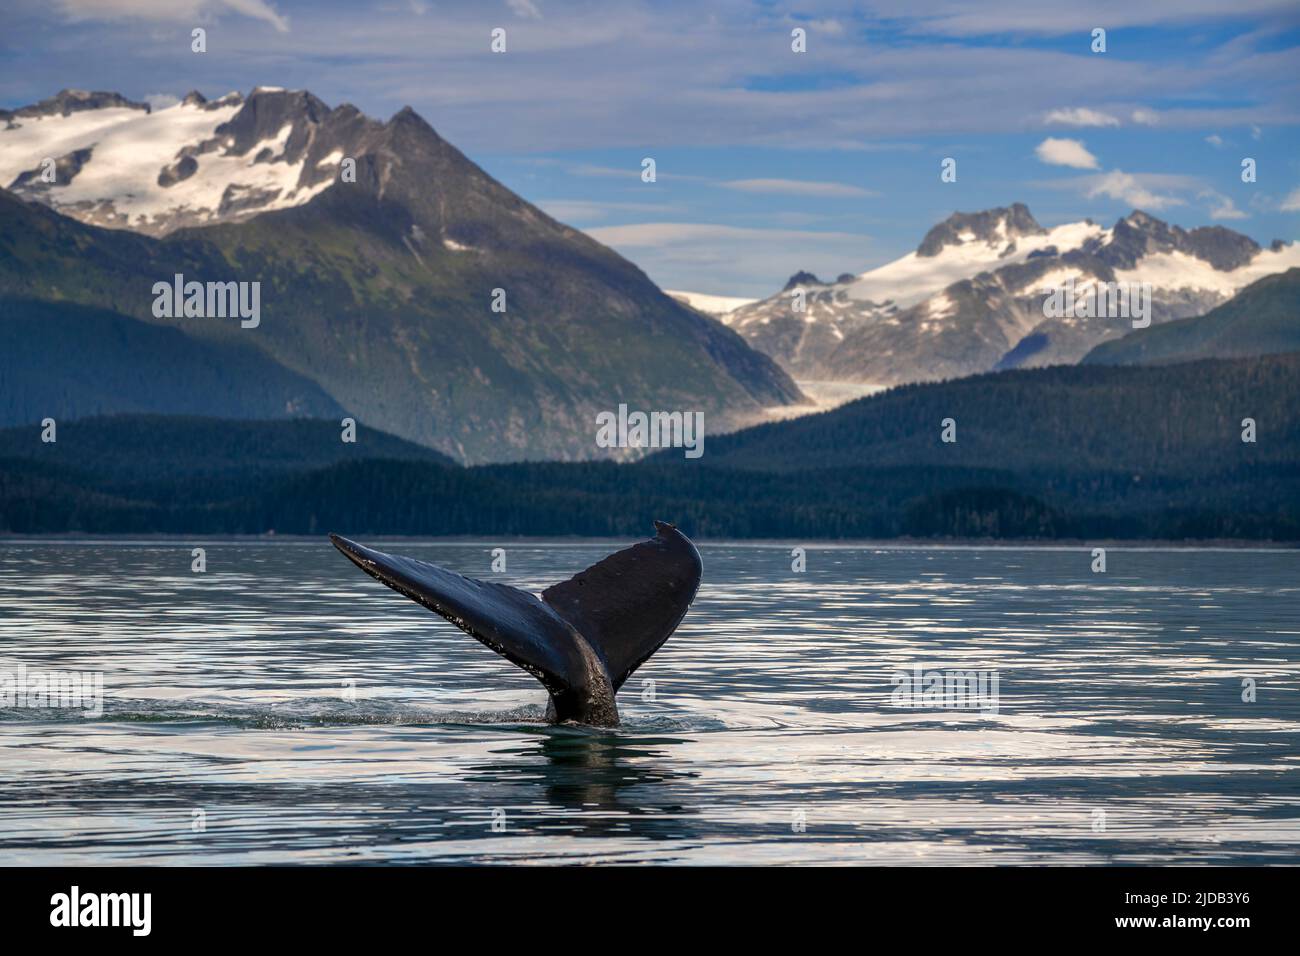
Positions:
{"x": 768, "y": 161}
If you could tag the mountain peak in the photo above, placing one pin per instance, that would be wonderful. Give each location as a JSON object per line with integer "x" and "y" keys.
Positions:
{"x": 943, "y": 312}
{"x": 69, "y": 101}
{"x": 405, "y": 258}
{"x": 1141, "y": 219}
{"x": 274, "y": 149}
{"x": 1001, "y": 225}
{"x": 802, "y": 278}
{"x": 1140, "y": 234}
{"x": 287, "y": 101}
{"x": 407, "y": 118}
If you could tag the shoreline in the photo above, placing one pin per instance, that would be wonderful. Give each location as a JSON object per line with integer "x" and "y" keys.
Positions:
{"x": 910, "y": 544}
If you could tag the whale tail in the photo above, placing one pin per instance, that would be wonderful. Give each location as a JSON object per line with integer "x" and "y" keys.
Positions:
{"x": 583, "y": 638}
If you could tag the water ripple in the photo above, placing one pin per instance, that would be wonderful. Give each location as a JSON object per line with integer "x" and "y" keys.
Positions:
{"x": 302, "y": 713}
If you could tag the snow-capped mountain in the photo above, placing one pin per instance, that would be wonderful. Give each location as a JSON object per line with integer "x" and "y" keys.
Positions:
{"x": 714, "y": 305}
{"x": 377, "y": 296}
{"x": 971, "y": 297}
{"x": 121, "y": 164}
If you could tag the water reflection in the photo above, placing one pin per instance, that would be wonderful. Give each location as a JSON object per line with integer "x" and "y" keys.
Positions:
{"x": 770, "y": 737}
{"x": 604, "y": 783}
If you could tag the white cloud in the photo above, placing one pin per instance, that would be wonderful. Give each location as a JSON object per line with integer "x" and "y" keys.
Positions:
{"x": 258, "y": 10}
{"x": 591, "y": 169}
{"x": 160, "y": 101}
{"x": 171, "y": 11}
{"x": 585, "y": 210}
{"x": 664, "y": 233}
{"x": 1145, "y": 117}
{"x": 1061, "y": 17}
{"x": 1291, "y": 202}
{"x": 1080, "y": 116}
{"x": 1150, "y": 191}
{"x": 788, "y": 187}
{"x": 673, "y": 74}
{"x": 524, "y": 9}
{"x": 1215, "y": 140}
{"x": 796, "y": 187}
{"x": 1065, "y": 152}
{"x": 629, "y": 172}
{"x": 1127, "y": 187}
{"x": 829, "y": 26}
{"x": 742, "y": 261}
{"x": 1223, "y": 207}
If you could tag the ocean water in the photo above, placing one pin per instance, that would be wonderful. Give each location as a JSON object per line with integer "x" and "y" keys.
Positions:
{"x": 284, "y": 708}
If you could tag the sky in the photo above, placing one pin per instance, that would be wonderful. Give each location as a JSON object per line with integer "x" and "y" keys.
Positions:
{"x": 768, "y": 161}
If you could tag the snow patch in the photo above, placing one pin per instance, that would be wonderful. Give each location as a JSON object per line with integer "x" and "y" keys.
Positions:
{"x": 1056, "y": 279}
{"x": 1178, "y": 270}
{"x": 913, "y": 278}
{"x": 715, "y": 305}
{"x": 941, "y": 306}
{"x": 131, "y": 148}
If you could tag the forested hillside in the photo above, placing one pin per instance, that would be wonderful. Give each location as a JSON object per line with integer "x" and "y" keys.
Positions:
{"x": 1261, "y": 319}
{"x": 1092, "y": 452}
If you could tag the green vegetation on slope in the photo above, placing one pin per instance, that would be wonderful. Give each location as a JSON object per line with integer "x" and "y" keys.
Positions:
{"x": 62, "y": 360}
{"x": 1060, "y": 452}
{"x": 1261, "y": 319}
{"x": 380, "y": 292}
{"x": 1177, "y": 420}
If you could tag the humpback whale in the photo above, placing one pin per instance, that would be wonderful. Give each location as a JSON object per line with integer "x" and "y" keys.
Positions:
{"x": 582, "y": 638}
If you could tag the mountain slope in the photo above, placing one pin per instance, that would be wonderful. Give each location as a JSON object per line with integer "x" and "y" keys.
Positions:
{"x": 714, "y": 305}
{"x": 124, "y": 450}
{"x": 1042, "y": 453}
{"x": 150, "y": 473}
{"x": 1261, "y": 319}
{"x": 971, "y": 297}
{"x": 121, "y": 164}
{"x": 63, "y": 361}
{"x": 1079, "y": 419}
{"x": 381, "y": 292}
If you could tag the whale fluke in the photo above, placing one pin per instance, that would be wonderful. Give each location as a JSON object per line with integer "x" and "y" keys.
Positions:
{"x": 583, "y": 637}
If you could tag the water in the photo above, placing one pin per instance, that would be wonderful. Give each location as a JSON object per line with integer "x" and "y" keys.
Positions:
{"x": 227, "y": 737}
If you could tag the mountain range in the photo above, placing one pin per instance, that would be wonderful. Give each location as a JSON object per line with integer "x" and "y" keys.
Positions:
{"x": 970, "y": 299}
{"x": 1261, "y": 319}
{"x": 401, "y": 285}
{"x": 1085, "y": 452}
{"x": 119, "y": 163}
{"x": 377, "y": 295}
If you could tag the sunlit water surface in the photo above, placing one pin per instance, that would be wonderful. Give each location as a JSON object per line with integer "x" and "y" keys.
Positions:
{"x": 763, "y": 732}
